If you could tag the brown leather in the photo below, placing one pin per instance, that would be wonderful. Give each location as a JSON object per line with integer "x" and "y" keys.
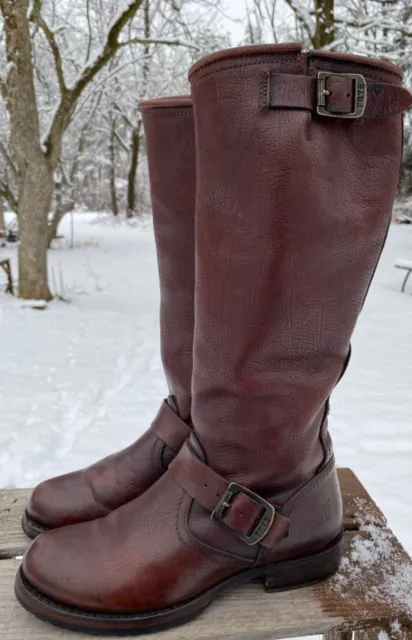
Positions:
{"x": 144, "y": 556}
{"x": 301, "y": 92}
{"x": 169, "y": 428}
{"x": 169, "y": 131}
{"x": 242, "y": 514}
{"x": 292, "y": 211}
{"x": 107, "y": 484}
{"x": 93, "y": 492}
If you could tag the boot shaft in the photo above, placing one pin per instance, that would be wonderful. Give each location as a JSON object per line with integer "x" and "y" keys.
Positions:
{"x": 292, "y": 210}
{"x": 169, "y": 132}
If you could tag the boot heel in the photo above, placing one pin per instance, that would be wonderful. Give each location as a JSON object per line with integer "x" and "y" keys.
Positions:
{"x": 304, "y": 571}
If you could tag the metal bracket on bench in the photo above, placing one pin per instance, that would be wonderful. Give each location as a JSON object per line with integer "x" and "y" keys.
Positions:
{"x": 409, "y": 270}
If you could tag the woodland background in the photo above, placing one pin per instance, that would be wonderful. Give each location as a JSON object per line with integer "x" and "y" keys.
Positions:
{"x": 73, "y": 71}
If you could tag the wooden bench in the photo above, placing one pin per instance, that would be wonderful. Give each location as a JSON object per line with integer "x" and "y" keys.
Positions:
{"x": 370, "y": 598}
{"x": 6, "y": 266}
{"x": 407, "y": 266}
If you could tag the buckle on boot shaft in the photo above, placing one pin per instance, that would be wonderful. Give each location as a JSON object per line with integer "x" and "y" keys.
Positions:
{"x": 247, "y": 516}
{"x": 260, "y": 529}
{"x": 350, "y": 95}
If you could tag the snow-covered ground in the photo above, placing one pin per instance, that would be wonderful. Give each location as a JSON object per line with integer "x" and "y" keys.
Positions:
{"x": 84, "y": 377}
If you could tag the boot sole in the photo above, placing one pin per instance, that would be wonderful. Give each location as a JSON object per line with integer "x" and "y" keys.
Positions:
{"x": 31, "y": 527}
{"x": 281, "y": 576}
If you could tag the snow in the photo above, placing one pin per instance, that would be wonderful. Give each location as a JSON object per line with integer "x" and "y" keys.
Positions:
{"x": 374, "y": 560}
{"x": 30, "y": 9}
{"x": 403, "y": 264}
{"x": 83, "y": 377}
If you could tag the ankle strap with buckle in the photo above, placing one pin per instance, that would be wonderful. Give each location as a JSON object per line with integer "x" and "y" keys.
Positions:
{"x": 337, "y": 95}
{"x": 234, "y": 507}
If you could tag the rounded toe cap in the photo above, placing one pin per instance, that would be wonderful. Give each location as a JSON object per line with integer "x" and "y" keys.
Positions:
{"x": 40, "y": 563}
{"x": 64, "y": 500}
{"x": 52, "y": 566}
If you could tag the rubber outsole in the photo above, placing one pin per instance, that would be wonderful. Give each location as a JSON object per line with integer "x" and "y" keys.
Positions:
{"x": 31, "y": 528}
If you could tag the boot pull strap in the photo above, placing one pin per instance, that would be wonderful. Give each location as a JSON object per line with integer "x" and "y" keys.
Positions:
{"x": 337, "y": 95}
{"x": 169, "y": 428}
{"x": 246, "y": 514}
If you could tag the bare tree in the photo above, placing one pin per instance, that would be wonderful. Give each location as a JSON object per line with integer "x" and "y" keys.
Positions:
{"x": 37, "y": 159}
{"x": 325, "y": 23}
{"x": 2, "y": 222}
{"x": 136, "y": 133}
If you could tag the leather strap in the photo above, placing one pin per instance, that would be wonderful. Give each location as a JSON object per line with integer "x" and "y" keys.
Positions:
{"x": 287, "y": 91}
{"x": 236, "y": 508}
{"x": 169, "y": 428}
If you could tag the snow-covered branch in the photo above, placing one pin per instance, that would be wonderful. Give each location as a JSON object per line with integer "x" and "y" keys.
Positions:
{"x": 70, "y": 96}
{"x": 170, "y": 43}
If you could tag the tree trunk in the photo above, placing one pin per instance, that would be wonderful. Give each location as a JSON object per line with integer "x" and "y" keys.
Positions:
{"x": 2, "y": 223}
{"x": 112, "y": 154}
{"x": 58, "y": 216}
{"x": 36, "y": 173}
{"x": 35, "y": 198}
{"x": 36, "y": 162}
{"x": 134, "y": 163}
{"x": 136, "y": 133}
{"x": 325, "y": 23}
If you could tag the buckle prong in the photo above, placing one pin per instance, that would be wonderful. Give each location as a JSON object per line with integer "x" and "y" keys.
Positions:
{"x": 361, "y": 95}
{"x": 261, "y": 529}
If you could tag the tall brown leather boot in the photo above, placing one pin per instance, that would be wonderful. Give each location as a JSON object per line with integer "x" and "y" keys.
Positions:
{"x": 94, "y": 492}
{"x": 297, "y": 166}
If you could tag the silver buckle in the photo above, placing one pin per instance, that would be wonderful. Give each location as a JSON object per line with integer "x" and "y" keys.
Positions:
{"x": 361, "y": 95}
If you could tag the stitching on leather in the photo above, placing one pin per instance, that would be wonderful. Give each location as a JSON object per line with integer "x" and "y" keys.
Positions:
{"x": 167, "y": 113}
{"x": 153, "y": 450}
{"x": 36, "y": 524}
{"x": 294, "y": 502}
{"x": 298, "y": 57}
{"x": 264, "y": 553}
{"x": 243, "y": 64}
{"x": 330, "y": 65}
{"x": 220, "y": 552}
{"x": 264, "y": 91}
{"x": 97, "y": 614}
{"x": 156, "y": 457}
{"x": 162, "y": 457}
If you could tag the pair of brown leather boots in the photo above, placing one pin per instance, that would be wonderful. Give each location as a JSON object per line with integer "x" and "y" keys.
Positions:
{"x": 272, "y": 198}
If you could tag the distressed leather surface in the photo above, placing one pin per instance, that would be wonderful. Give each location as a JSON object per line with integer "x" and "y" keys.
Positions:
{"x": 291, "y": 215}
{"x": 93, "y": 492}
{"x": 170, "y": 143}
{"x": 292, "y": 210}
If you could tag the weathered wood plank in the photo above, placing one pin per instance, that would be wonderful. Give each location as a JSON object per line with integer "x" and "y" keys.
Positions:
{"x": 358, "y": 506}
{"x": 13, "y": 542}
{"x": 338, "y": 635}
{"x": 385, "y": 633}
{"x": 354, "y": 601}
{"x": 249, "y": 613}
{"x": 245, "y": 614}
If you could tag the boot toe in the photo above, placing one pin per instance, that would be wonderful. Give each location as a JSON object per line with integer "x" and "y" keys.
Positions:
{"x": 64, "y": 500}
{"x": 50, "y": 566}
{"x": 41, "y": 567}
